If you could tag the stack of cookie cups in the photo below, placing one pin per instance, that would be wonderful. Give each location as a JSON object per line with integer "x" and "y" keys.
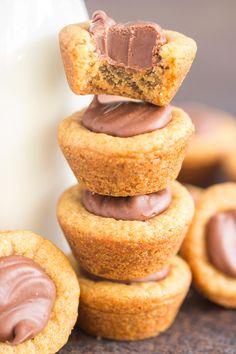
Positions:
{"x": 126, "y": 219}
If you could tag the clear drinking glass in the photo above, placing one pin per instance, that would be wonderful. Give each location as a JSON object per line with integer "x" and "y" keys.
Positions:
{"x": 34, "y": 97}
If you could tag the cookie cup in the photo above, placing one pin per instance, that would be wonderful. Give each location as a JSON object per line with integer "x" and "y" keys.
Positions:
{"x": 212, "y": 283}
{"x": 57, "y": 267}
{"x": 117, "y": 166}
{"x": 124, "y": 250}
{"x": 89, "y": 73}
{"x": 207, "y": 152}
{"x": 136, "y": 311}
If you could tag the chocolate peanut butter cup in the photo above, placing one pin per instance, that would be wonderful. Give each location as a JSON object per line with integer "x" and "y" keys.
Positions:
{"x": 157, "y": 276}
{"x": 109, "y": 246}
{"x": 133, "y": 311}
{"x": 26, "y": 299}
{"x": 139, "y": 208}
{"x": 210, "y": 244}
{"x": 136, "y": 59}
{"x": 132, "y": 45}
{"x": 221, "y": 241}
{"x": 126, "y": 166}
{"x": 39, "y": 295}
{"x": 123, "y": 117}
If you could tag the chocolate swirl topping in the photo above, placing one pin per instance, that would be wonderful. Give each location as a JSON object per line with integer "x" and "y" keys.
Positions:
{"x": 134, "y": 45}
{"x": 124, "y": 118}
{"x": 221, "y": 242}
{"x": 140, "y": 207}
{"x": 27, "y": 295}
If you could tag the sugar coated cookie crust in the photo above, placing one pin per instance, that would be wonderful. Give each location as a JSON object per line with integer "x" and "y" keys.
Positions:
{"x": 118, "y": 249}
{"x": 58, "y": 268}
{"x": 211, "y": 282}
{"x": 116, "y": 166}
{"x": 87, "y": 73}
{"x": 136, "y": 311}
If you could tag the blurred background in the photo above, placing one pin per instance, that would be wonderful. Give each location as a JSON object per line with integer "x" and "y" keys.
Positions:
{"x": 211, "y": 23}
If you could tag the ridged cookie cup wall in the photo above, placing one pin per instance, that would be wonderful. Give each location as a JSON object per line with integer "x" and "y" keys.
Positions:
{"x": 88, "y": 73}
{"x": 136, "y": 311}
{"x": 57, "y": 267}
{"x": 115, "y": 166}
{"x": 124, "y": 250}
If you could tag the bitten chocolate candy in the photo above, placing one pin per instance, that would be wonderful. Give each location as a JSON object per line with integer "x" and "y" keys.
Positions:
{"x": 134, "y": 45}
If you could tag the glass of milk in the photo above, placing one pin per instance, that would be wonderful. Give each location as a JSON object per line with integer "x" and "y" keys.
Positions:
{"x": 34, "y": 97}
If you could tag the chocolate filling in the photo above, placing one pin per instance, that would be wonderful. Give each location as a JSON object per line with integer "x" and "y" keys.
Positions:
{"x": 123, "y": 117}
{"x": 27, "y": 295}
{"x": 134, "y": 45}
{"x": 162, "y": 274}
{"x": 140, "y": 207}
{"x": 221, "y": 242}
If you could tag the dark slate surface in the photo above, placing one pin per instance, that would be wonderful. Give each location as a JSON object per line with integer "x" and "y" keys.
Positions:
{"x": 201, "y": 327}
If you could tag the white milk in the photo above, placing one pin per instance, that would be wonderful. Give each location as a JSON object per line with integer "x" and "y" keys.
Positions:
{"x": 34, "y": 97}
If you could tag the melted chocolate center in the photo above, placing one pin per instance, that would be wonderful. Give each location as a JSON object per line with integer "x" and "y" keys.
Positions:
{"x": 221, "y": 242}
{"x": 162, "y": 274}
{"x": 124, "y": 118}
{"x": 140, "y": 207}
{"x": 27, "y": 295}
{"x": 134, "y": 45}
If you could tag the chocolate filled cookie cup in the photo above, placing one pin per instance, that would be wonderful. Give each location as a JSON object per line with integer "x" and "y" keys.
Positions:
{"x": 125, "y": 249}
{"x": 133, "y": 311}
{"x": 126, "y": 166}
{"x": 138, "y": 60}
{"x": 39, "y": 295}
{"x": 213, "y": 141}
{"x": 210, "y": 244}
